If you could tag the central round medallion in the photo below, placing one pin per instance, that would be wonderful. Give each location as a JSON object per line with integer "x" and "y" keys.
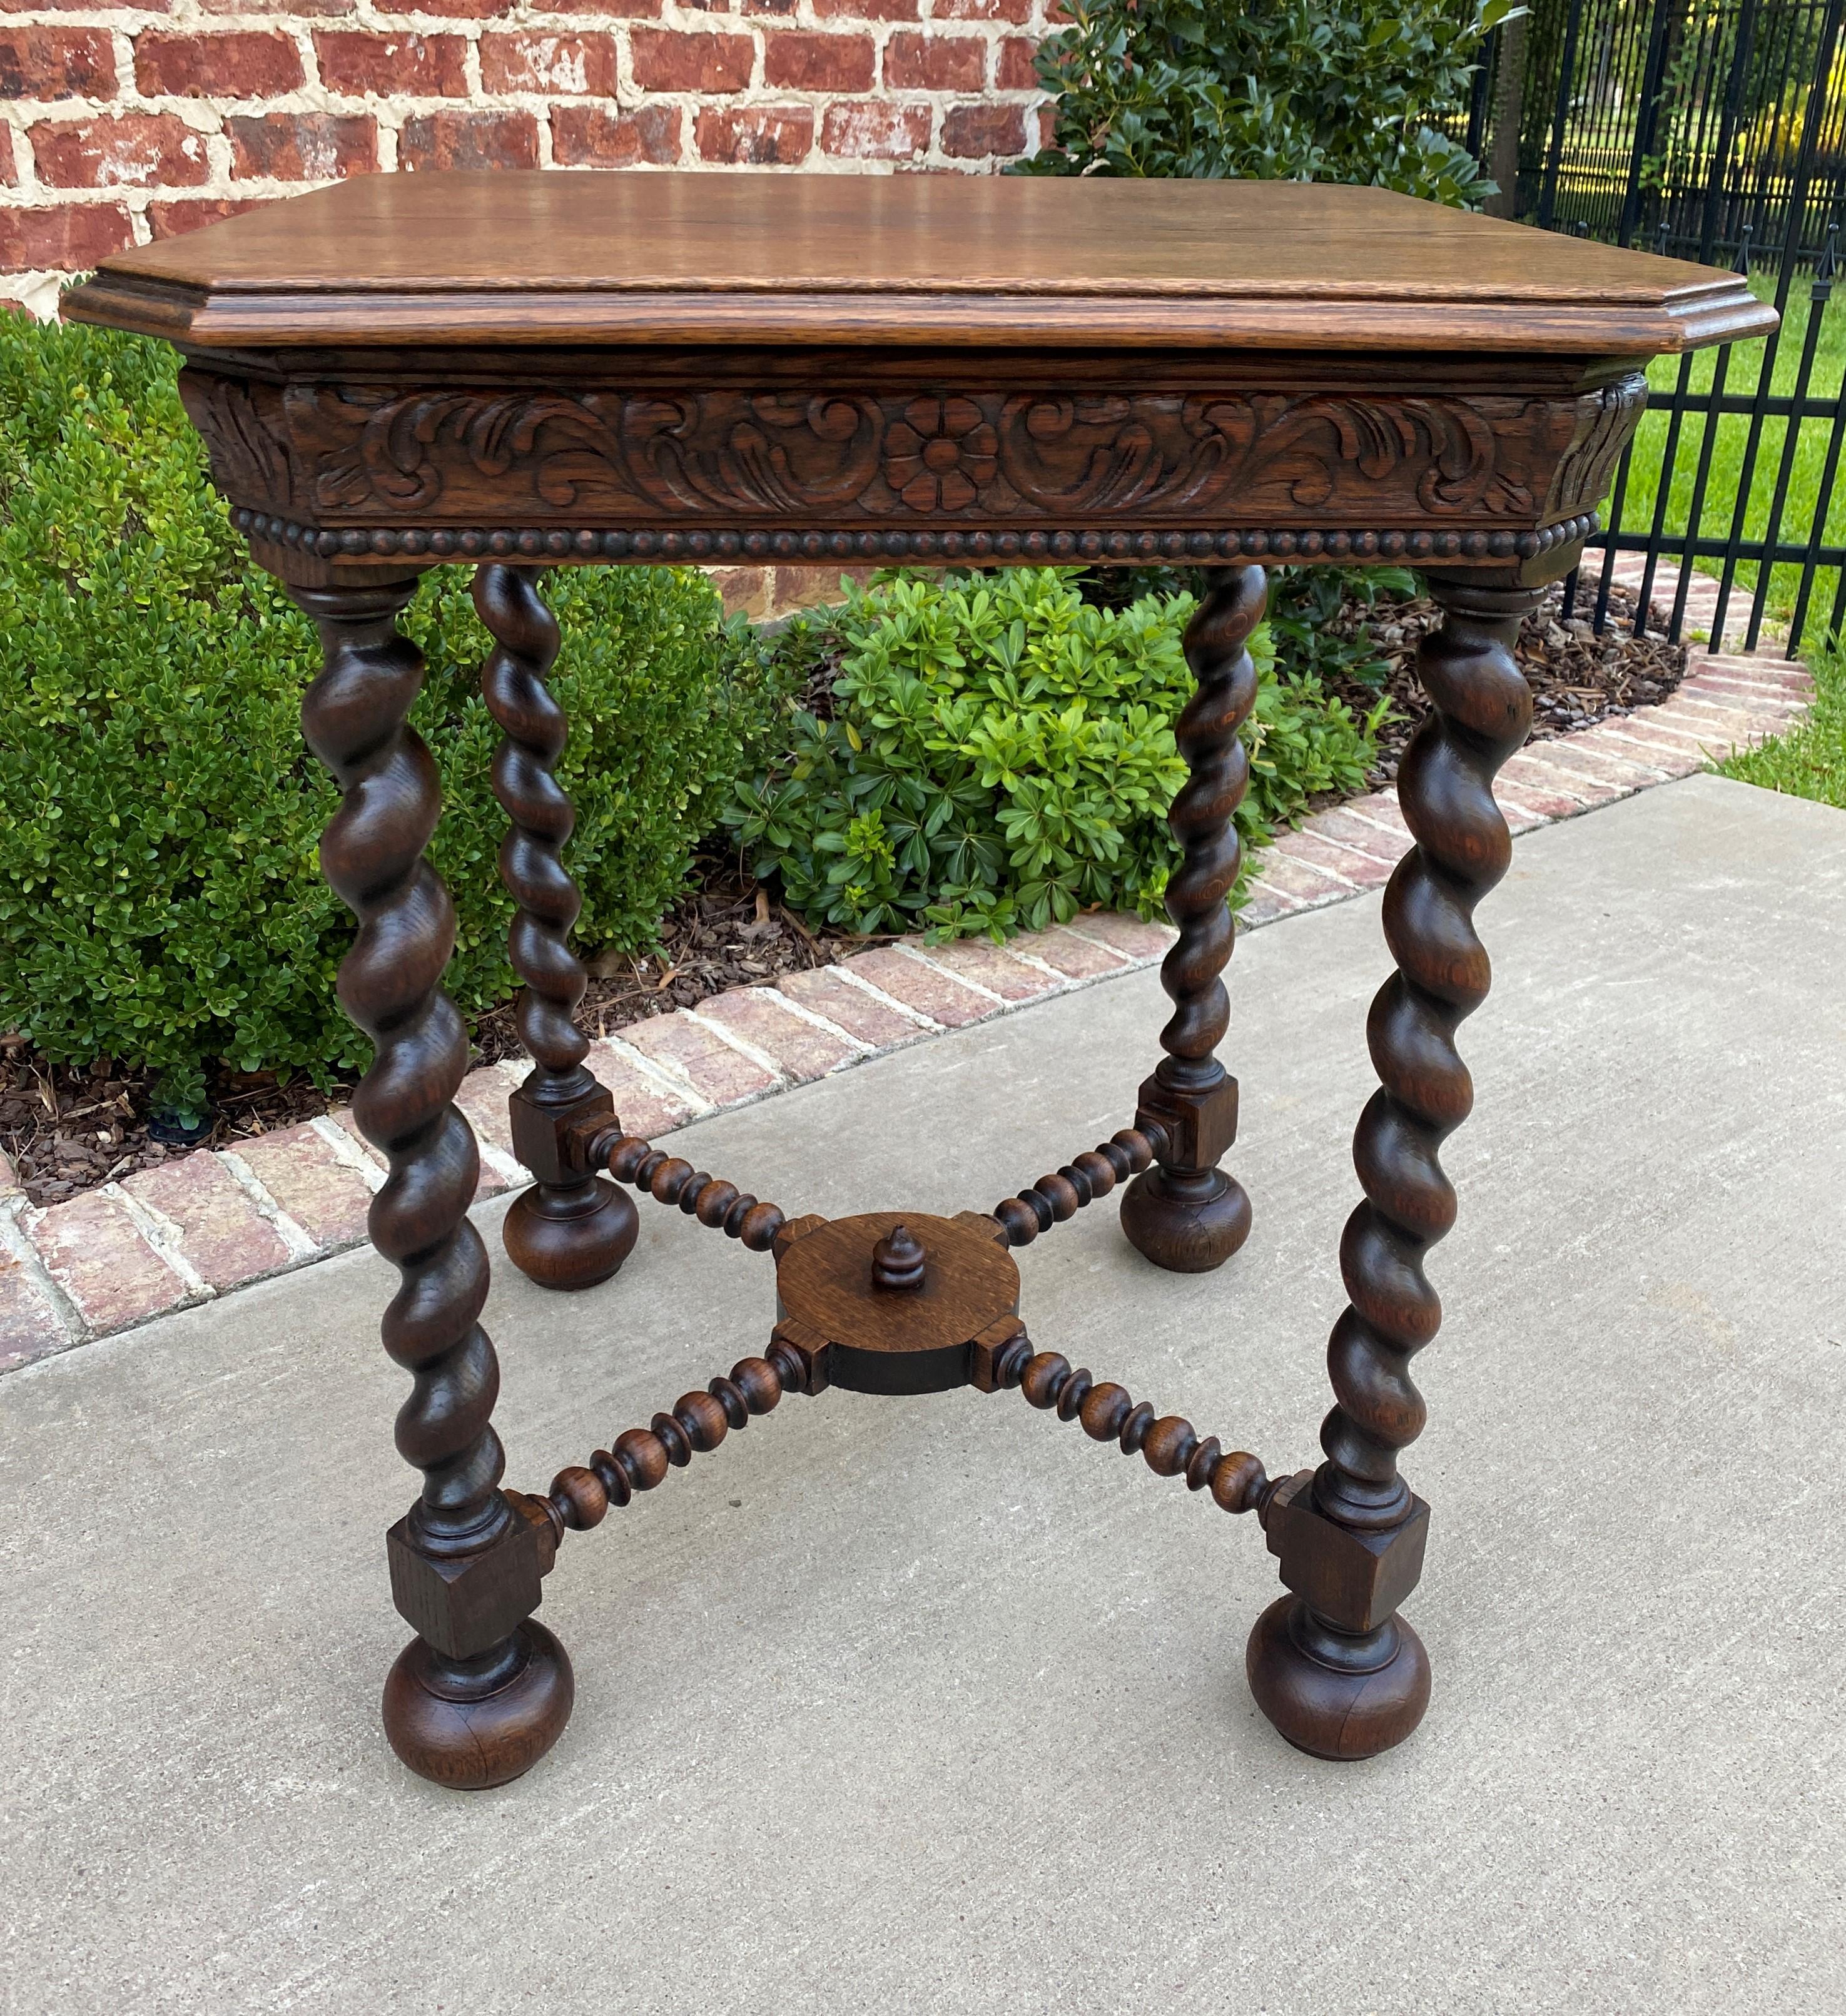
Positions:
{"x": 912, "y": 1339}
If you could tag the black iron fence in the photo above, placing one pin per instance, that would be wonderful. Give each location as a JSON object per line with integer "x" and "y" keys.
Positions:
{"x": 1713, "y": 130}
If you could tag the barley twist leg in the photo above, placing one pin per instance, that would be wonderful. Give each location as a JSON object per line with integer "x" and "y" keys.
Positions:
{"x": 1186, "y": 1214}
{"x": 1332, "y": 1665}
{"x": 482, "y": 1691}
{"x": 570, "y": 1230}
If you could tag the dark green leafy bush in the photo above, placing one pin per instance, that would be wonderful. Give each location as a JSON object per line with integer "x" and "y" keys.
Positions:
{"x": 159, "y": 900}
{"x": 1001, "y": 754}
{"x": 1306, "y": 608}
{"x": 1305, "y": 605}
{"x": 1269, "y": 90}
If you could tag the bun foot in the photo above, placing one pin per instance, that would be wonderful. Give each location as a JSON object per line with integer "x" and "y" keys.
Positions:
{"x": 1330, "y": 1693}
{"x": 570, "y": 1238}
{"x": 1187, "y": 1224}
{"x": 470, "y": 1724}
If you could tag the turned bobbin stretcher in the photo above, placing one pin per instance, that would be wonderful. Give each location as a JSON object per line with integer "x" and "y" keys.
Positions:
{"x": 521, "y": 371}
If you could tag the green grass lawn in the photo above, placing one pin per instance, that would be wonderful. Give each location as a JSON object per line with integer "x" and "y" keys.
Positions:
{"x": 1725, "y": 479}
{"x": 1811, "y": 762}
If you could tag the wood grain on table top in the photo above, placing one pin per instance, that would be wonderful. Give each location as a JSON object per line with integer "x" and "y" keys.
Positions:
{"x": 615, "y": 257}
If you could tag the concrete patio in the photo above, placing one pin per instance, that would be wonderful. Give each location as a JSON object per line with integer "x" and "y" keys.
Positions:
{"x": 934, "y": 1704}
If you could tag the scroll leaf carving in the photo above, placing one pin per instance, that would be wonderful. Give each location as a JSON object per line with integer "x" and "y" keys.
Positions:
{"x": 403, "y": 452}
{"x": 355, "y": 454}
{"x": 737, "y": 452}
{"x": 1606, "y": 421}
{"x": 1191, "y": 455}
{"x": 246, "y": 438}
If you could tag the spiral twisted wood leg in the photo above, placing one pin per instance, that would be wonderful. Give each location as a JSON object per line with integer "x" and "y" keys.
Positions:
{"x": 1332, "y": 1665}
{"x": 482, "y": 1692}
{"x": 571, "y": 1229}
{"x": 1186, "y": 1214}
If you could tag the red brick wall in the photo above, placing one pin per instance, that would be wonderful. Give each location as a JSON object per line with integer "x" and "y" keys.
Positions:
{"x": 122, "y": 124}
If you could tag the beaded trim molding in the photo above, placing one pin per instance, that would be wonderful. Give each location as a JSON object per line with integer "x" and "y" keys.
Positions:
{"x": 591, "y": 543}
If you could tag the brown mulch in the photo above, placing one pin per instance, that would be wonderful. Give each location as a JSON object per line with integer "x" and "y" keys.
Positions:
{"x": 727, "y": 933}
{"x": 1577, "y": 677}
{"x": 69, "y": 1130}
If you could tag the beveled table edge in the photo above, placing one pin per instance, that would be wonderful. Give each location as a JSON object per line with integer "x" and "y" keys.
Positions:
{"x": 1381, "y": 321}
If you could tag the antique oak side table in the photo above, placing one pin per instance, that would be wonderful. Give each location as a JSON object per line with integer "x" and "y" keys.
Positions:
{"x": 528, "y": 370}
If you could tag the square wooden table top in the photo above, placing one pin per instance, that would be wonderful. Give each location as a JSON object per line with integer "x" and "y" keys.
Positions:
{"x": 620, "y": 258}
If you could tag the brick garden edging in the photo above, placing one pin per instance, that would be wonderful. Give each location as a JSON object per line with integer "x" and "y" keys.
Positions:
{"x": 213, "y": 1221}
{"x": 194, "y": 1227}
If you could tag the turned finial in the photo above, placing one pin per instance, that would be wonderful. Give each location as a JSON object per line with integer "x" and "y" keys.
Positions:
{"x": 898, "y": 1260}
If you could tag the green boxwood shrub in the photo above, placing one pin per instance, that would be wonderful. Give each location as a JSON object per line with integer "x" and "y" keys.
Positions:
{"x": 1305, "y": 608}
{"x": 160, "y": 899}
{"x": 1267, "y": 90}
{"x": 1001, "y": 754}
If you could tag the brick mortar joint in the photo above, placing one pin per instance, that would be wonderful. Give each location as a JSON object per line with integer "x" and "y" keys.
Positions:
{"x": 919, "y": 953}
{"x": 194, "y": 16}
{"x": 208, "y": 118}
{"x": 667, "y": 1081}
{"x": 785, "y": 1004}
{"x": 301, "y": 31}
{"x": 164, "y": 1235}
{"x": 926, "y": 1025}
{"x": 17, "y": 1243}
{"x": 350, "y": 1151}
{"x": 295, "y": 1237}
{"x": 733, "y": 1039}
